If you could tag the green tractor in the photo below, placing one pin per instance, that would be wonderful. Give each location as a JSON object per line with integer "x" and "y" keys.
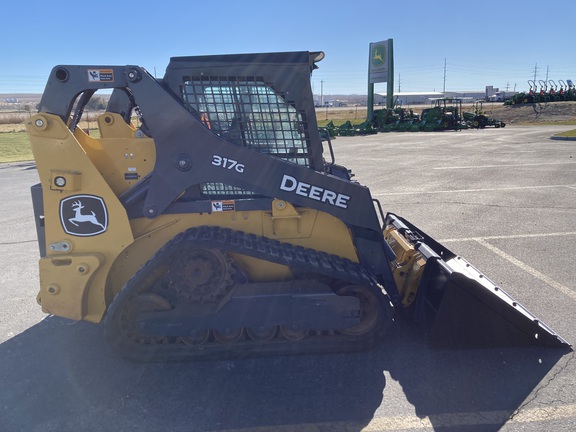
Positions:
{"x": 479, "y": 120}
{"x": 523, "y": 97}
{"x": 444, "y": 116}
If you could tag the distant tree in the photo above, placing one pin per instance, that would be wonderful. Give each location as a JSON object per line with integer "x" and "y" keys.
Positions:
{"x": 96, "y": 103}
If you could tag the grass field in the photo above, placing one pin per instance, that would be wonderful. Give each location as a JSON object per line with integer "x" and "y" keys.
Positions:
{"x": 567, "y": 134}
{"x": 14, "y": 147}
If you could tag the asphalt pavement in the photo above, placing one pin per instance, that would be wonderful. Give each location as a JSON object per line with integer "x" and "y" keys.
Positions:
{"x": 505, "y": 199}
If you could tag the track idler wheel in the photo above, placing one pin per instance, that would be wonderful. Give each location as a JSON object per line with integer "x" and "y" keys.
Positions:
{"x": 127, "y": 337}
{"x": 261, "y": 334}
{"x": 294, "y": 334}
{"x": 197, "y": 339}
{"x": 228, "y": 336}
{"x": 370, "y": 309}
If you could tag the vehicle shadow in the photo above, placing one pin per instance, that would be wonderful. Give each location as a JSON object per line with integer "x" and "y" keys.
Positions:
{"x": 60, "y": 375}
{"x": 467, "y": 390}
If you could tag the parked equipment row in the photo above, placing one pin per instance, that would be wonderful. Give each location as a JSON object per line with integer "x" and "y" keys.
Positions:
{"x": 447, "y": 114}
{"x": 545, "y": 91}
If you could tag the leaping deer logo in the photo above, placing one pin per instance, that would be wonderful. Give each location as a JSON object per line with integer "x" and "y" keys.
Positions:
{"x": 79, "y": 217}
{"x": 378, "y": 55}
{"x": 83, "y": 215}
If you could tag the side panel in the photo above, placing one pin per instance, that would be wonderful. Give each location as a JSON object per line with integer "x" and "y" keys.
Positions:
{"x": 86, "y": 226}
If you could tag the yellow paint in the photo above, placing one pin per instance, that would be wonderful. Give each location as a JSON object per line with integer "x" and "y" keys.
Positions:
{"x": 408, "y": 267}
{"x": 98, "y": 167}
{"x": 56, "y": 150}
{"x": 121, "y": 157}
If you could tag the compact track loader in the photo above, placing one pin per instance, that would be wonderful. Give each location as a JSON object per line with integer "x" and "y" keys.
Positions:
{"x": 212, "y": 226}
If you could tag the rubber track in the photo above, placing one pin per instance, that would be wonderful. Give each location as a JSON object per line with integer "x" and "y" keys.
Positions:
{"x": 297, "y": 258}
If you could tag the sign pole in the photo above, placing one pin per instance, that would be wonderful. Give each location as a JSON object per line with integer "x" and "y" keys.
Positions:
{"x": 370, "y": 101}
{"x": 390, "y": 81}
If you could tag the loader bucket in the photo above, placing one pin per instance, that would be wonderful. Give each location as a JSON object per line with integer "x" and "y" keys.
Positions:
{"x": 458, "y": 305}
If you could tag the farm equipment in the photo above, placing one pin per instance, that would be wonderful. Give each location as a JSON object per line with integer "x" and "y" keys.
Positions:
{"x": 445, "y": 115}
{"x": 543, "y": 95}
{"x": 553, "y": 93}
{"x": 523, "y": 97}
{"x": 346, "y": 129}
{"x": 549, "y": 92}
{"x": 571, "y": 92}
{"x": 332, "y": 129}
{"x": 479, "y": 120}
{"x": 562, "y": 92}
{"x": 350, "y": 129}
{"x": 396, "y": 120}
{"x": 365, "y": 128}
{"x": 383, "y": 118}
{"x": 214, "y": 227}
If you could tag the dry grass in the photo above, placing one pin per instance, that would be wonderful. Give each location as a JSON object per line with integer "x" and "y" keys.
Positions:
{"x": 349, "y": 113}
{"x": 567, "y": 134}
{"x": 14, "y": 121}
{"x": 14, "y": 144}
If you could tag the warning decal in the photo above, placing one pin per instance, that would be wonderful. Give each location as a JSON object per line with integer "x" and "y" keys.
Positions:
{"x": 100, "y": 75}
{"x": 223, "y": 206}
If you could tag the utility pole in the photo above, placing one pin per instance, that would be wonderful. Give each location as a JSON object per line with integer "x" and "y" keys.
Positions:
{"x": 547, "y": 70}
{"x": 535, "y": 71}
{"x": 321, "y": 92}
{"x": 398, "y": 83}
{"x": 444, "y": 86}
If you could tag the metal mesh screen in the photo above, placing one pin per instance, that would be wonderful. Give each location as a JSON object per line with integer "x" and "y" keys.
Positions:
{"x": 248, "y": 112}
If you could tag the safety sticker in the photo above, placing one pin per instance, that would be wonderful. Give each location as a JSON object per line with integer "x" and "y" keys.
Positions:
{"x": 83, "y": 215}
{"x": 100, "y": 75}
{"x": 223, "y": 206}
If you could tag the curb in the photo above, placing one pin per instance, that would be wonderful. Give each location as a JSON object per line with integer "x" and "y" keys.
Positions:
{"x": 561, "y": 138}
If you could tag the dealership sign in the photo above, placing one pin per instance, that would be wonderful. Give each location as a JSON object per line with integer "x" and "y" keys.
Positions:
{"x": 380, "y": 54}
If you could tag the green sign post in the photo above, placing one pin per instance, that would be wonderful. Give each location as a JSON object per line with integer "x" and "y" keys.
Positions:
{"x": 381, "y": 69}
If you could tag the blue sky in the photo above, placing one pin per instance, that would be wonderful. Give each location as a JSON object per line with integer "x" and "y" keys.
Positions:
{"x": 484, "y": 43}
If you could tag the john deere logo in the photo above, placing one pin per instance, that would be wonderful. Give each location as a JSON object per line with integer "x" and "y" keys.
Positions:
{"x": 83, "y": 215}
{"x": 378, "y": 55}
